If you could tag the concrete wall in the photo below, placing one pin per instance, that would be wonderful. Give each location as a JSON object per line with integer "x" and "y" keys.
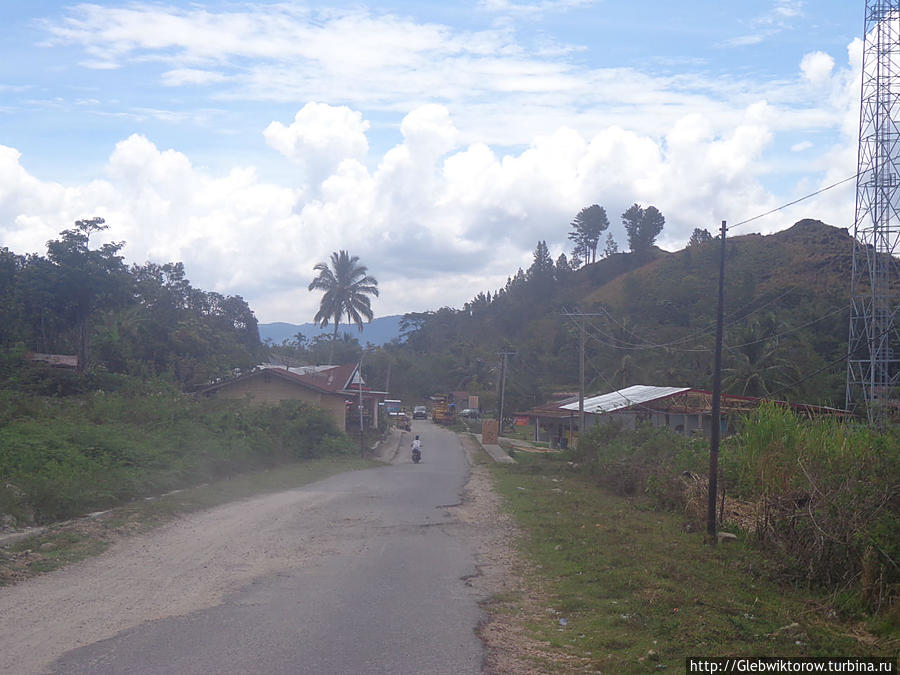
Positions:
{"x": 267, "y": 388}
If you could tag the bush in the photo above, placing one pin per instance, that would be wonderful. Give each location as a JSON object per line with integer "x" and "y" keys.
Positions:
{"x": 647, "y": 461}
{"x": 63, "y": 457}
{"x": 828, "y": 495}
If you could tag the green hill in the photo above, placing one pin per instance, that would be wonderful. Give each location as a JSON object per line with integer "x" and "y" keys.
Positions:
{"x": 652, "y": 321}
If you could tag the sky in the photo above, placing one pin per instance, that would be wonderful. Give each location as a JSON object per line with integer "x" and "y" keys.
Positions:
{"x": 438, "y": 142}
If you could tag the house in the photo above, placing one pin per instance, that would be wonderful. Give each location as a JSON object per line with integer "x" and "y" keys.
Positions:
{"x": 684, "y": 410}
{"x": 338, "y": 390}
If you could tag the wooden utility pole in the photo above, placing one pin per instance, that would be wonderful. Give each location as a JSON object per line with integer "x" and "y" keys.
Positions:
{"x": 502, "y": 390}
{"x": 581, "y": 380}
{"x": 716, "y": 430}
{"x": 581, "y": 339}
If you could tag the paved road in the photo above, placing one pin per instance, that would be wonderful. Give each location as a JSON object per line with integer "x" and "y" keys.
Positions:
{"x": 384, "y": 592}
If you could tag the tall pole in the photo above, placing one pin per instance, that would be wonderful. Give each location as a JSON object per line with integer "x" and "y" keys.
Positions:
{"x": 362, "y": 440}
{"x": 716, "y": 430}
{"x": 502, "y": 391}
{"x": 581, "y": 381}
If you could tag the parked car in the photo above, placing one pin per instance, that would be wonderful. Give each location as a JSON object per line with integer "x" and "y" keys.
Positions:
{"x": 420, "y": 413}
{"x": 471, "y": 413}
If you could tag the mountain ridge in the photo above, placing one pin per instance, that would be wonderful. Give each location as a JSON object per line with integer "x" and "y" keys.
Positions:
{"x": 379, "y": 331}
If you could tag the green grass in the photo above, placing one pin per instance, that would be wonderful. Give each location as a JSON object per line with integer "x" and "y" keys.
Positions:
{"x": 62, "y": 458}
{"x": 638, "y": 592}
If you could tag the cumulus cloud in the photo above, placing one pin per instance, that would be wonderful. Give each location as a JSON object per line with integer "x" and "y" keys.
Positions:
{"x": 320, "y": 138}
{"x": 817, "y": 67}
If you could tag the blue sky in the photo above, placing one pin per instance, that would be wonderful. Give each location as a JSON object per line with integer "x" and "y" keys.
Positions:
{"x": 437, "y": 141}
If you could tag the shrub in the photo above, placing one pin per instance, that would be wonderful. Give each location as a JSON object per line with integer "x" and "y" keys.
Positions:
{"x": 62, "y": 457}
{"x": 827, "y": 493}
{"x": 648, "y": 461}
{"x": 829, "y": 498}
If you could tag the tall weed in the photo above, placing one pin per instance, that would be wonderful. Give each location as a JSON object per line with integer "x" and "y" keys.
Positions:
{"x": 62, "y": 457}
{"x": 826, "y": 492}
{"x": 828, "y": 495}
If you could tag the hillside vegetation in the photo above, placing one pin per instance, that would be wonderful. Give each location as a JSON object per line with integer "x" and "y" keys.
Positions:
{"x": 651, "y": 321}
{"x": 121, "y": 426}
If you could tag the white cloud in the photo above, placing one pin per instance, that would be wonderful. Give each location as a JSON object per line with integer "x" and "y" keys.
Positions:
{"x": 533, "y": 8}
{"x": 320, "y": 138}
{"x": 180, "y": 77}
{"x": 769, "y": 23}
{"x": 817, "y": 67}
{"x": 498, "y": 88}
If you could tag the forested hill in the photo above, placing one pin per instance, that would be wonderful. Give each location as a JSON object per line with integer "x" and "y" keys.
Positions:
{"x": 650, "y": 319}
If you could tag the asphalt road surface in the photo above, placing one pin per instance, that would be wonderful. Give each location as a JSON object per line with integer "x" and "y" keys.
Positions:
{"x": 364, "y": 572}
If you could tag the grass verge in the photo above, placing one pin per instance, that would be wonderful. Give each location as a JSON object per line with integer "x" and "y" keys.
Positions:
{"x": 64, "y": 543}
{"x": 629, "y": 590}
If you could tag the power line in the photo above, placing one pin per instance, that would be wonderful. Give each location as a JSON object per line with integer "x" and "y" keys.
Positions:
{"x": 790, "y": 330}
{"x": 618, "y": 343}
{"x": 796, "y": 201}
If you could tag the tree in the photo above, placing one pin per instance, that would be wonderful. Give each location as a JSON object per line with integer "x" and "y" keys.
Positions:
{"x": 642, "y": 227}
{"x": 756, "y": 364}
{"x": 588, "y": 224}
{"x": 542, "y": 265}
{"x": 699, "y": 236}
{"x": 611, "y": 247}
{"x": 563, "y": 270}
{"x": 346, "y": 285}
{"x": 631, "y": 219}
{"x": 86, "y": 280}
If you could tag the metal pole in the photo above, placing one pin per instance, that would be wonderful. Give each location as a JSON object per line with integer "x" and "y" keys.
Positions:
{"x": 716, "y": 403}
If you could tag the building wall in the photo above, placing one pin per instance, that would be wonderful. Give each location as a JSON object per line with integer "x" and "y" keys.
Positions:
{"x": 265, "y": 388}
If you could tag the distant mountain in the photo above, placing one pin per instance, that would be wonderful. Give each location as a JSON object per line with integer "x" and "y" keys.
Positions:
{"x": 380, "y": 331}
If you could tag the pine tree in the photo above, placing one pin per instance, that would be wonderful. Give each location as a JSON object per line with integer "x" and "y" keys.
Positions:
{"x": 611, "y": 247}
{"x": 588, "y": 224}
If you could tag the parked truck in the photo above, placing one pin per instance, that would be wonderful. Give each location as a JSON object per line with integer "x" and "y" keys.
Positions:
{"x": 443, "y": 410}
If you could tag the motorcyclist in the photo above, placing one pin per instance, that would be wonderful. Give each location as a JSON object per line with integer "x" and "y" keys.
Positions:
{"x": 417, "y": 446}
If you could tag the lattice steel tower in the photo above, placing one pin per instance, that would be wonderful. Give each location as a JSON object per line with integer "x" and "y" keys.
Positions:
{"x": 873, "y": 361}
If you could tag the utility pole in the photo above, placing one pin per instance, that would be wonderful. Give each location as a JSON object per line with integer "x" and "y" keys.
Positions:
{"x": 359, "y": 384}
{"x": 581, "y": 339}
{"x": 502, "y": 389}
{"x": 715, "y": 432}
{"x": 581, "y": 380}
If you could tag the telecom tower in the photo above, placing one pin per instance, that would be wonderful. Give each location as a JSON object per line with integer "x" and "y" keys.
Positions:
{"x": 873, "y": 358}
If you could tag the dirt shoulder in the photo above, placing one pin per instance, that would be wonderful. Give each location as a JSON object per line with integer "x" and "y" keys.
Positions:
{"x": 503, "y": 577}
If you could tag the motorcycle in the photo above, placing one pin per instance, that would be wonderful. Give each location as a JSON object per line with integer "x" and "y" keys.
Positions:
{"x": 416, "y": 455}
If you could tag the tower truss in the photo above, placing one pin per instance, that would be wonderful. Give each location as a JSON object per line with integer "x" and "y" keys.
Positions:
{"x": 873, "y": 361}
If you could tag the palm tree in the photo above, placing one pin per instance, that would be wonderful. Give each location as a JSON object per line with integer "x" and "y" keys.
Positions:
{"x": 347, "y": 286}
{"x": 757, "y": 366}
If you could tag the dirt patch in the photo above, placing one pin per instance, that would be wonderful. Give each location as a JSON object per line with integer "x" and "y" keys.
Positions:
{"x": 513, "y": 602}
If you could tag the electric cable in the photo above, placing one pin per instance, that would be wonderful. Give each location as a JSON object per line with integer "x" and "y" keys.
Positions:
{"x": 796, "y": 201}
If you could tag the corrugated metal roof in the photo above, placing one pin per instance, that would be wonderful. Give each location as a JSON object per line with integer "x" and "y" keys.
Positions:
{"x": 625, "y": 398}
